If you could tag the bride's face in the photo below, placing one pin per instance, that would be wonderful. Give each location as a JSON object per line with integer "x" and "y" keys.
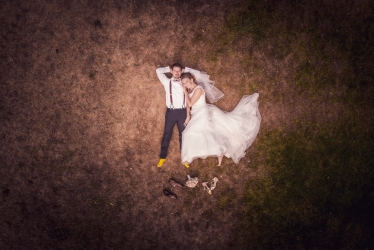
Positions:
{"x": 188, "y": 83}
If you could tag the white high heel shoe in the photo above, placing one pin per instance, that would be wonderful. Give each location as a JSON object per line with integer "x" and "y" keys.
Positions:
{"x": 214, "y": 183}
{"x": 205, "y": 185}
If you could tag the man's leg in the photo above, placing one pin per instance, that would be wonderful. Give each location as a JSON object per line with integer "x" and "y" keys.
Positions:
{"x": 168, "y": 131}
{"x": 180, "y": 122}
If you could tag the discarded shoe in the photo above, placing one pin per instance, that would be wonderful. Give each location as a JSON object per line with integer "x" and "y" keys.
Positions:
{"x": 169, "y": 194}
{"x": 173, "y": 183}
{"x": 192, "y": 182}
{"x": 161, "y": 162}
{"x": 205, "y": 185}
{"x": 213, "y": 184}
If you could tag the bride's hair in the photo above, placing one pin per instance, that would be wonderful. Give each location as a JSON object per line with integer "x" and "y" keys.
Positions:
{"x": 189, "y": 76}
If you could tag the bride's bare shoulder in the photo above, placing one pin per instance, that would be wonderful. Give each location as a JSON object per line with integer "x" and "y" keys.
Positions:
{"x": 198, "y": 92}
{"x": 199, "y": 88}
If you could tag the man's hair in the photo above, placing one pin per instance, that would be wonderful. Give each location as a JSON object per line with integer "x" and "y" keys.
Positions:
{"x": 176, "y": 65}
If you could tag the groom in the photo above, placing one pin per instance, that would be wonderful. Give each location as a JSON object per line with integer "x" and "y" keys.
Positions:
{"x": 175, "y": 106}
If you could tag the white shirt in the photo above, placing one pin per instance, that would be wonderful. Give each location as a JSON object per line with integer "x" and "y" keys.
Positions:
{"x": 176, "y": 88}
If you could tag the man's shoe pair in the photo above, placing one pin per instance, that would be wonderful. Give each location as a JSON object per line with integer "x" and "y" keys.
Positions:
{"x": 162, "y": 161}
{"x": 169, "y": 194}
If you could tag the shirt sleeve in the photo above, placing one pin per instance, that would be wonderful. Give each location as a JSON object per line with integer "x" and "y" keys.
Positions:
{"x": 192, "y": 71}
{"x": 161, "y": 74}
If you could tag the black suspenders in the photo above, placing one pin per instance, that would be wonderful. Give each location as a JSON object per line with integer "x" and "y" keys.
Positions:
{"x": 171, "y": 98}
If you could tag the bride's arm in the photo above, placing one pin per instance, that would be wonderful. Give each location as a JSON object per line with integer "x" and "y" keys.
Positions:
{"x": 188, "y": 117}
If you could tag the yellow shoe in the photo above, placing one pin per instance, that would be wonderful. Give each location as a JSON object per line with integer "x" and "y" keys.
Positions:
{"x": 186, "y": 165}
{"x": 161, "y": 162}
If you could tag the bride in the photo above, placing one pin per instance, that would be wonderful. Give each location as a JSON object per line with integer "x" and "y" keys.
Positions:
{"x": 212, "y": 132}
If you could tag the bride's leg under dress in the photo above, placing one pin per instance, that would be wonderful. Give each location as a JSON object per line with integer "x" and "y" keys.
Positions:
{"x": 219, "y": 160}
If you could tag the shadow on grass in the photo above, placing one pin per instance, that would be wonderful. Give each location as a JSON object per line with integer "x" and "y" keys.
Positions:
{"x": 317, "y": 34}
{"x": 318, "y": 191}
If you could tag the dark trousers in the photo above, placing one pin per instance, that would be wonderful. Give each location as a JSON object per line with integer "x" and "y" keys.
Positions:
{"x": 172, "y": 117}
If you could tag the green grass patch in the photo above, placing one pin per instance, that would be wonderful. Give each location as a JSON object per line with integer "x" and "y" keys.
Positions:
{"x": 251, "y": 17}
{"x": 226, "y": 198}
{"x": 317, "y": 191}
{"x": 197, "y": 38}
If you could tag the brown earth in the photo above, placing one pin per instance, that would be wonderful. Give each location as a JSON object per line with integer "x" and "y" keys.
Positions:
{"x": 82, "y": 115}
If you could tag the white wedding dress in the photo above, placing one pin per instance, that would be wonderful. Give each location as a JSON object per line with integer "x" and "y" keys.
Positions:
{"x": 213, "y": 132}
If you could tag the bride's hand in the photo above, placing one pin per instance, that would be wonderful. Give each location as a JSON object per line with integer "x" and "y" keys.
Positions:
{"x": 186, "y": 121}
{"x": 184, "y": 87}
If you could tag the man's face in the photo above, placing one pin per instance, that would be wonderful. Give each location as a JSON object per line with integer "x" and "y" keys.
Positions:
{"x": 176, "y": 72}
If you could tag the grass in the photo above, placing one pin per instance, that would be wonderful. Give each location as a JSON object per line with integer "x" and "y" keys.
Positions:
{"x": 226, "y": 198}
{"x": 198, "y": 38}
{"x": 318, "y": 189}
{"x": 315, "y": 190}
{"x": 253, "y": 17}
{"x": 312, "y": 186}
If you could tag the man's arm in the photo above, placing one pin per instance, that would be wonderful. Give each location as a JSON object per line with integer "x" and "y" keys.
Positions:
{"x": 161, "y": 74}
{"x": 192, "y": 71}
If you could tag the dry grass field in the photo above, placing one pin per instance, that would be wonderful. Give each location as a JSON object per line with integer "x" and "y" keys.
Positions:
{"x": 82, "y": 116}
